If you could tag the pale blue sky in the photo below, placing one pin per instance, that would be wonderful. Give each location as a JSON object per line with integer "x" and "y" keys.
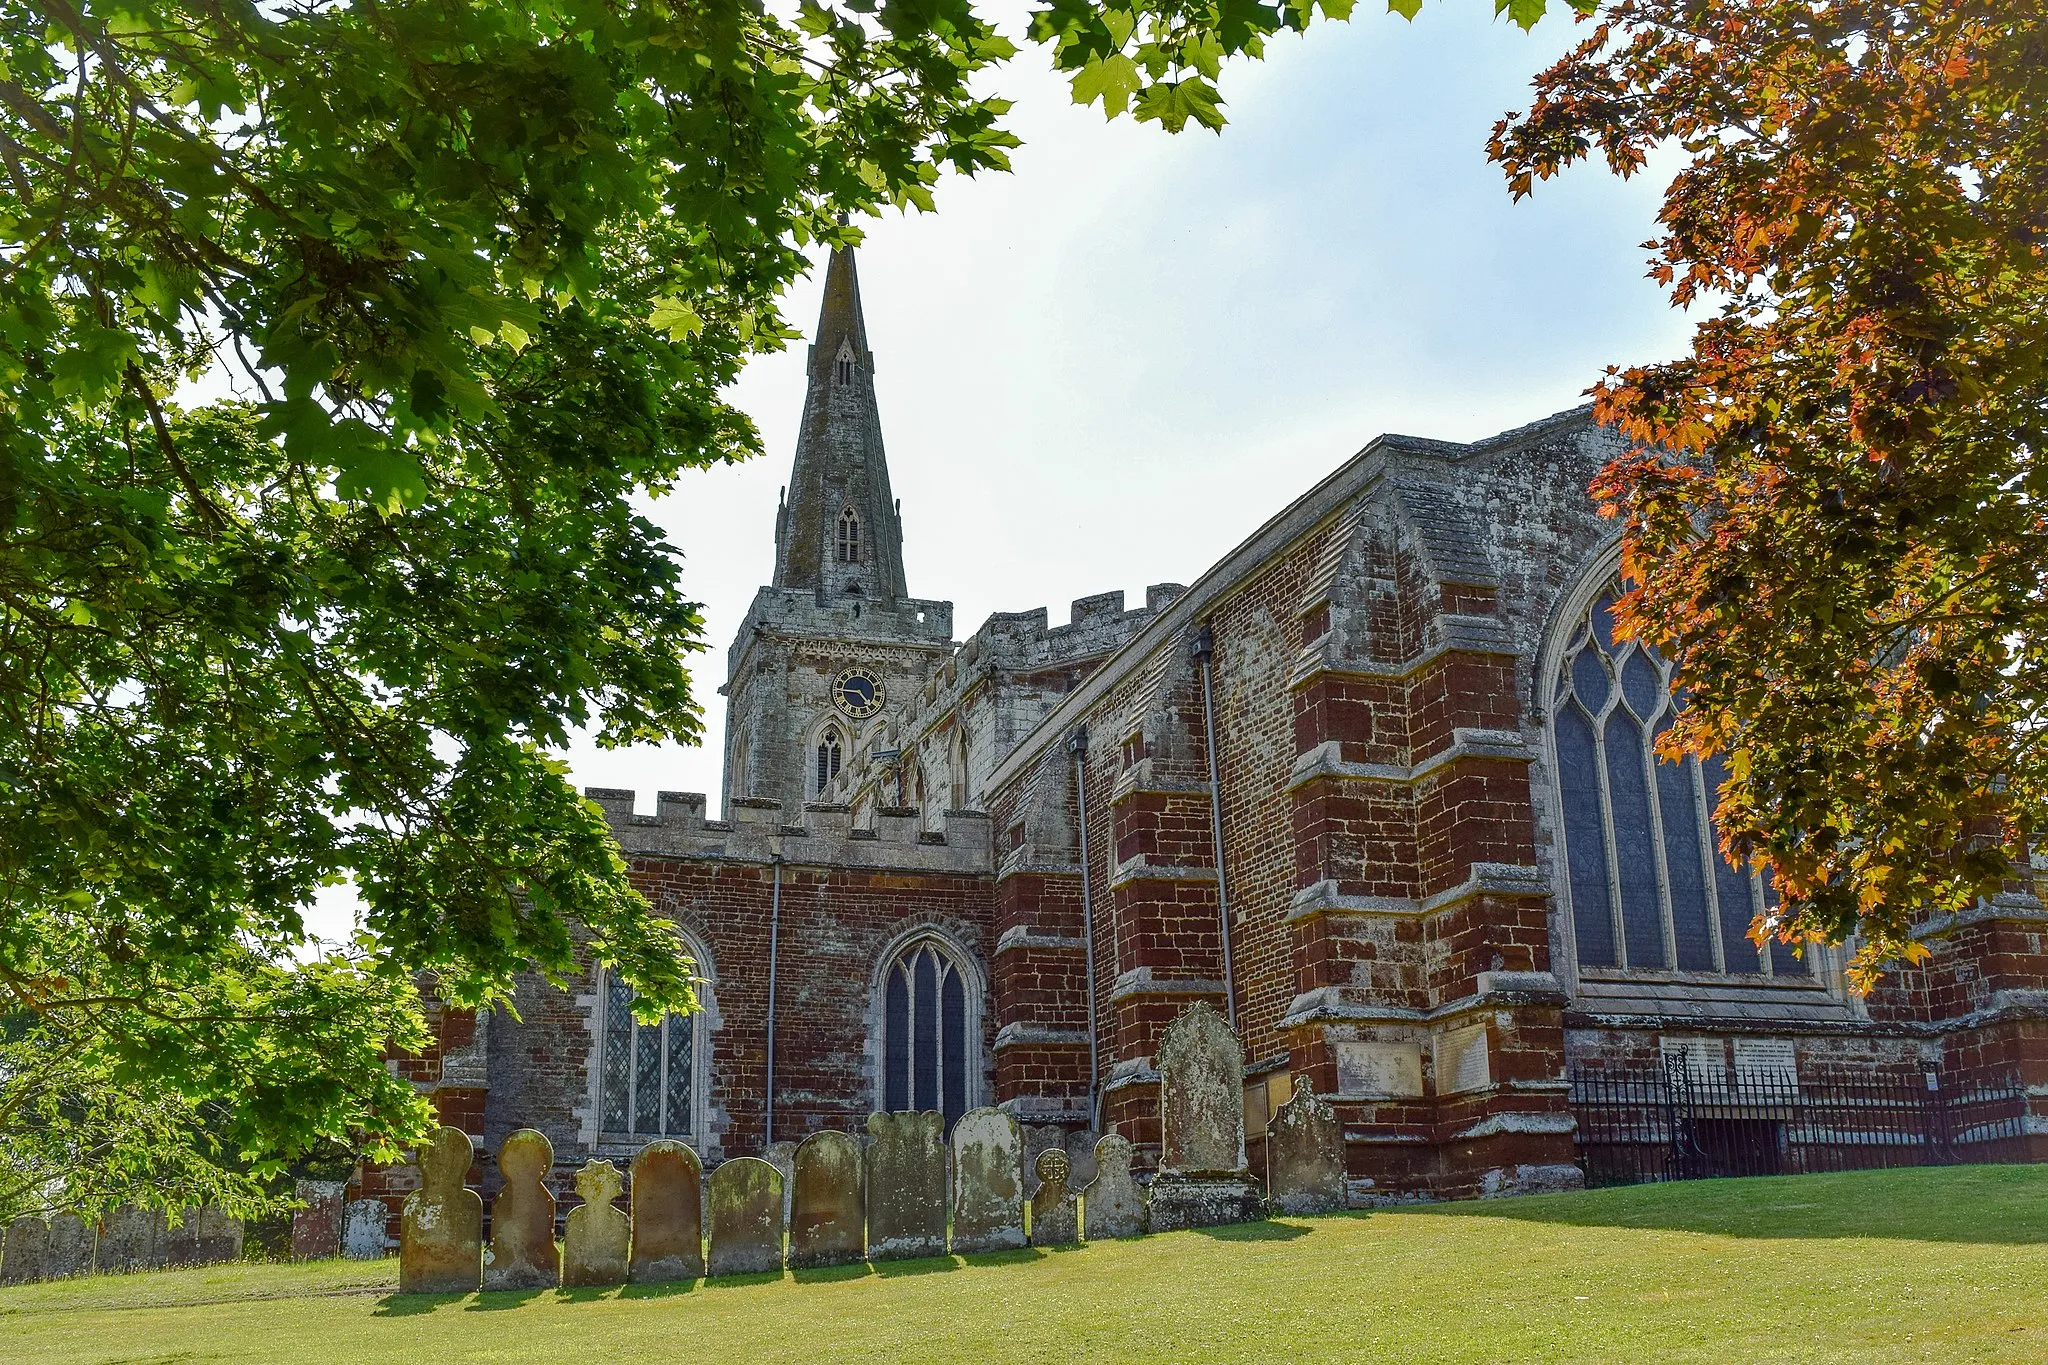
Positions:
{"x": 1108, "y": 367}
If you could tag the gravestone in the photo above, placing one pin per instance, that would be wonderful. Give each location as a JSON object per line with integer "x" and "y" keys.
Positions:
{"x": 72, "y": 1244}
{"x": 746, "y": 1217}
{"x": 1053, "y": 1222}
{"x": 362, "y": 1229}
{"x": 988, "y": 1182}
{"x": 523, "y": 1253}
{"x": 24, "y": 1253}
{"x": 204, "y": 1236}
{"x": 827, "y": 1214}
{"x": 130, "y": 1239}
{"x": 441, "y": 1235}
{"x": 782, "y": 1156}
{"x": 1112, "y": 1204}
{"x": 906, "y": 1179}
{"x": 599, "y": 1235}
{"x": 1305, "y": 1155}
{"x": 1203, "y": 1180}
{"x": 316, "y": 1224}
{"x": 668, "y": 1214}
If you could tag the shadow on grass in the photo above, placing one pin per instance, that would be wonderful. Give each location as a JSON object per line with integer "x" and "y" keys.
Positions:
{"x": 922, "y": 1265}
{"x": 412, "y": 1305}
{"x": 2003, "y": 1205}
{"x": 832, "y": 1274}
{"x": 1256, "y": 1232}
{"x": 497, "y": 1300}
{"x": 666, "y": 1290}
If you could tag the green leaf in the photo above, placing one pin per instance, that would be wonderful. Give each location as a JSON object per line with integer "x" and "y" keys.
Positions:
{"x": 676, "y": 317}
{"x": 1113, "y": 80}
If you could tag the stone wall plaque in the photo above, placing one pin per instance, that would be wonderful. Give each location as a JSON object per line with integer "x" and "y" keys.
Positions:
{"x": 1053, "y": 1221}
{"x": 1773, "y": 1061}
{"x": 906, "y": 1180}
{"x": 988, "y": 1182}
{"x": 827, "y": 1210}
{"x": 440, "y": 1238}
{"x": 73, "y": 1242}
{"x": 1375, "y": 1070}
{"x": 25, "y": 1251}
{"x": 523, "y": 1253}
{"x": 1201, "y": 1094}
{"x": 316, "y": 1224}
{"x": 668, "y": 1214}
{"x": 599, "y": 1235}
{"x": 746, "y": 1217}
{"x": 1461, "y": 1060}
{"x": 1305, "y": 1156}
{"x": 1112, "y": 1204}
{"x": 362, "y": 1229}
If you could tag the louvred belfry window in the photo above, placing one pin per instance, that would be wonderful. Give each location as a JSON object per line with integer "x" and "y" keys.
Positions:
{"x": 849, "y": 537}
{"x": 648, "y": 1072}
{"x": 830, "y": 754}
{"x": 926, "y": 1052}
{"x": 1647, "y": 885}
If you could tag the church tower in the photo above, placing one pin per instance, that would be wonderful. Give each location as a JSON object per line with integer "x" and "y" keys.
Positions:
{"x": 835, "y": 644}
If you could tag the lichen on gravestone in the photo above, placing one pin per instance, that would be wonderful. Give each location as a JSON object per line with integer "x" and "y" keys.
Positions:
{"x": 25, "y": 1250}
{"x": 1112, "y": 1203}
{"x": 440, "y": 1243}
{"x": 906, "y": 1185}
{"x": 523, "y": 1254}
{"x": 1053, "y": 1220}
{"x": 827, "y": 1213}
{"x": 1305, "y": 1155}
{"x": 746, "y": 1217}
{"x": 988, "y": 1180}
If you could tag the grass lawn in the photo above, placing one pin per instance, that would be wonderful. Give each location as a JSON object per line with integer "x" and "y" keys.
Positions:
{"x": 1913, "y": 1265}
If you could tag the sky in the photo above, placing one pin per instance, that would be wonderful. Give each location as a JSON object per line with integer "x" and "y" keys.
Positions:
{"x": 1110, "y": 366}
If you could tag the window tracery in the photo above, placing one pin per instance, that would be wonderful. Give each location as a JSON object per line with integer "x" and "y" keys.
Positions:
{"x": 928, "y": 1054}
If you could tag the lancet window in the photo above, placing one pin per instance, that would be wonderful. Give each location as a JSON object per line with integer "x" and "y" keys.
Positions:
{"x": 927, "y": 1051}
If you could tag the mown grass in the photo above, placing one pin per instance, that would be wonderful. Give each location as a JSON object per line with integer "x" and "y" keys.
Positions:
{"x": 1915, "y": 1265}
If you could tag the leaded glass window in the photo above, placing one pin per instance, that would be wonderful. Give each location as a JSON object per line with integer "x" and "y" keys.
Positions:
{"x": 648, "y": 1072}
{"x": 926, "y": 1051}
{"x": 1643, "y": 873}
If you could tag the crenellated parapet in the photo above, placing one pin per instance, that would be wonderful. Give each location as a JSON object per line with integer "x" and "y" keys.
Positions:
{"x": 824, "y": 837}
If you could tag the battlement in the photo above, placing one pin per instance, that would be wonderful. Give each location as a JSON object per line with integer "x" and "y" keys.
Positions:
{"x": 1024, "y": 640}
{"x": 824, "y": 838}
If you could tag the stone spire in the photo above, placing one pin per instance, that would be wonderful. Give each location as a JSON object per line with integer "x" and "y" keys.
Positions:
{"x": 837, "y": 534}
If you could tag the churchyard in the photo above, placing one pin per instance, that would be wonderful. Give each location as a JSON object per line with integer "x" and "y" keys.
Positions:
{"x": 1947, "y": 1264}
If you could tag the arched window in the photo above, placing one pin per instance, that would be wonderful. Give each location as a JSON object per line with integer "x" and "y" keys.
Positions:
{"x": 843, "y": 372}
{"x": 648, "y": 1074}
{"x": 927, "y": 1051}
{"x": 831, "y": 750}
{"x": 738, "y": 785}
{"x": 1644, "y": 880}
{"x": 957, "y": 776}
{"x": 849, "y": 537}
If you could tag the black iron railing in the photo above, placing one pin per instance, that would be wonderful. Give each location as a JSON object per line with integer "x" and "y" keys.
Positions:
{"x": 1682, "y": 1123}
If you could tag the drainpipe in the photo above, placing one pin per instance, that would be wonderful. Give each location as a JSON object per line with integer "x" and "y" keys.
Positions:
{"x": 774, "y": 938}
{"x": 1202, "y": 650}
{"x": 1078, "y": 747}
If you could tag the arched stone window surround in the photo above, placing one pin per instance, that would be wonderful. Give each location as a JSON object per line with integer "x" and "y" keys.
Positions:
{"x": 600, "y": 1130}
{"x": 1647, "y": 899}
{"x": 846, "y": 539}
{"x": 826, "y": 751}
{"x": 905, "y": 946}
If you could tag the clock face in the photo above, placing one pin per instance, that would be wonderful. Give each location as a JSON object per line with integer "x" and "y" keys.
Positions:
{"x": 857, "y": 692}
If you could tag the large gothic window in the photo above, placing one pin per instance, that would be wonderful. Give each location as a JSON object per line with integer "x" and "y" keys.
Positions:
{"x": 648, "y": 1073}
{"x": 1646, "y": 883}
{"x": 831, "y": 752}
{"x": 926, "y": 1049}
{"x": 849, "y": 537}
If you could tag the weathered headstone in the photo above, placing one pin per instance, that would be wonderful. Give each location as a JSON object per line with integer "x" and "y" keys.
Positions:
{"x": 362, "y": 1229}
{"x": 440, "y": 1242}
{"x": 668, "y": 1214}
{"x": 1054, "y": 1221}
{"x": 1112, "y": 1204}
{"x": 72, "y": 1244}
{"x": 523, "y": 1253}
{"x": 203, "y": 1236}
{"x": 782, "y": 1156}
{"x": 746, "y": 1217}
{"x": 1203, "y": 1179}
{"x": 988, "y": 1182}
{"x": 316, "y": 1224}
{"x": 130, "y": 1239}
{"x": 599, "y": 1235}
{"x": 1305, "y": 1155}
{"x": 24, "y": 1253}
{"x": 906, "y": 1178}
{"x": 827, "y": 1214}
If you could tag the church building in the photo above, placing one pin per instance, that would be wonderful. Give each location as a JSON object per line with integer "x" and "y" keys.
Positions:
{"x": 1379, "y": 786}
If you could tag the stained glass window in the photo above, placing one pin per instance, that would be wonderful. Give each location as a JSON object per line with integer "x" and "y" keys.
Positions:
{"x": 926, "y": 1051}
{"x": 1638, "y": 834}
{"x": 647, "y": 1075}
